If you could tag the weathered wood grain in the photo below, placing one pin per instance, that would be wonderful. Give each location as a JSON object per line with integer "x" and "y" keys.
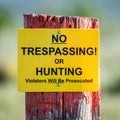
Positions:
{"x": 61, "y": 105}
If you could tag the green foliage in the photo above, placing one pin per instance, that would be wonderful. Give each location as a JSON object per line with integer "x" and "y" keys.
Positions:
{"x": 114, "y": 88}
{"x": 5, "y": 16}
{"x": 3, "y": 76}
{"x": 85, "y": 10}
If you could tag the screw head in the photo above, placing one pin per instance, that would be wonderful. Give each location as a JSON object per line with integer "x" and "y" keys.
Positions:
{"x": 58, "y": 84}
{"x": 58, "y": 32}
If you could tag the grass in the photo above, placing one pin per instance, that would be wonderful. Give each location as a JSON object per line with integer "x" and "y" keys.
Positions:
{"x": 12, "y": 104}
{"x": 110, "y": 107}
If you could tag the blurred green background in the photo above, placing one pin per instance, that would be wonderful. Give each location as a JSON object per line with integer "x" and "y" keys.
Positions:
{"x": 11, "y": 18}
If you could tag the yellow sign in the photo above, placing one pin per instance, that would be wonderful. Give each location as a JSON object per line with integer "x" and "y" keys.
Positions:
{"x": 58, "y": 60}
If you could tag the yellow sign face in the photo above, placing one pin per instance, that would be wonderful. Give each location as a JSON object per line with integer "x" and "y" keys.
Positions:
{"x": 58, "y": 60}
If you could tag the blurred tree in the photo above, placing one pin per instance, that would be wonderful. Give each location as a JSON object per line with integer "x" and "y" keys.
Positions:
{"x": 3, "y": 76}
{"x": 114, "y": 88}
{"x": 5, "y": 20}
{"x": 85, "y": 10}
{"x": 5, "y": 16}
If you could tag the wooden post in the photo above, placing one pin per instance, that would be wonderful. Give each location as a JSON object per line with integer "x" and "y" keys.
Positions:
{"x": 61, "y": 105}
